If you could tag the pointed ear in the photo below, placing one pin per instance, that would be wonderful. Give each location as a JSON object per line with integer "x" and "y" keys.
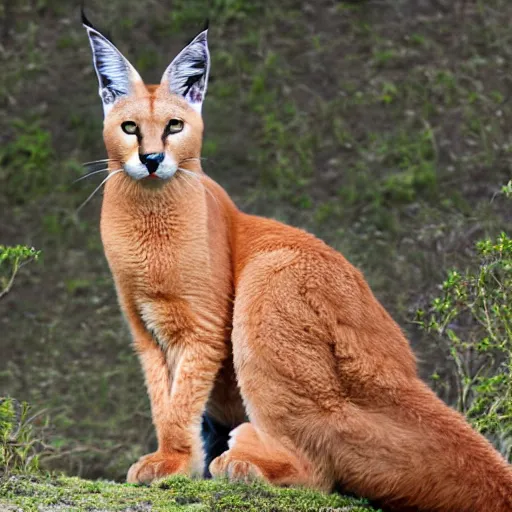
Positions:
{"x": 187, "y": 75}
{"x": 116, "y": 75}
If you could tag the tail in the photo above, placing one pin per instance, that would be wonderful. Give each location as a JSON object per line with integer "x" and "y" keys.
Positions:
{"x": 420, "y": 454}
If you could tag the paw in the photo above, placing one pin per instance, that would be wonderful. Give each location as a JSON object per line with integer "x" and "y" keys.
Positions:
{"x": 158, "y": 465}
{"x": 236, "y": 470}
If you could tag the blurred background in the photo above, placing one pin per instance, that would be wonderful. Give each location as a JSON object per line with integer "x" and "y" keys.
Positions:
{"x": 382, "y": 126}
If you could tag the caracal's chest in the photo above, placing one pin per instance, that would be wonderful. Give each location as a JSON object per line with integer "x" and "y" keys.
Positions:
{"x": 166, "y": 268}
{"x": 155, "y": 256}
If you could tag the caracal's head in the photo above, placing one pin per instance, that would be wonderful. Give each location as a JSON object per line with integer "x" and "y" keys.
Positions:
{"x": 151, "y": 131}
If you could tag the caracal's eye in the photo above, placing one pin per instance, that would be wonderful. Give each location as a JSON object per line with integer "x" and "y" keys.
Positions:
{"x": 175, "y": 126}
{"x": 129, "y": 127}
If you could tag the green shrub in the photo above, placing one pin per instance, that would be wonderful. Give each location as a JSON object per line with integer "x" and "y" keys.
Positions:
{"x": 18, "y": 446}
{"x": 473, "y": 319}
{"x": 11, "y": 260}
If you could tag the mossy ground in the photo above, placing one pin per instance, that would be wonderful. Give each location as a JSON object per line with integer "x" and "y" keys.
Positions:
{"x": 45, "y": 494}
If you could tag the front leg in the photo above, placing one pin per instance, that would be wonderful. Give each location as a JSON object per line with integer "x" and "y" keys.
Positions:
{"x": 180, "y": 371}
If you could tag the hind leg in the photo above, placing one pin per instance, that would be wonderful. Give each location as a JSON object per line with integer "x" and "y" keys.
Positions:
{"x": 287, "y": 379}
{"x": 319, "y": 386}
{"x": 254, "y": 455}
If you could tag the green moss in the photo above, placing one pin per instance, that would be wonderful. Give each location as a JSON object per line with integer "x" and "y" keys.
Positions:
{"x": 36, "y": 493}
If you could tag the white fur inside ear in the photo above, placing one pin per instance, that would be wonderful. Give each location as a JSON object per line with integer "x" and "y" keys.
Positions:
{"x": 115, "y": 74}
{"x": 187, "y": 74}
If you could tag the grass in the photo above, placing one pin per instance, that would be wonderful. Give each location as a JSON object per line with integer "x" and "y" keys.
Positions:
{"x": 31, "y": 150}
{"x": 37, "y": 493}
{"x": 383, "y": 127}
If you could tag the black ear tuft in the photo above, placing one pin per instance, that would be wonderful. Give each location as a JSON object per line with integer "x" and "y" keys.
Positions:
{"x": 206, "y": 25}
{"x": 84, "y": 19}
{"x": 86, "y": 22}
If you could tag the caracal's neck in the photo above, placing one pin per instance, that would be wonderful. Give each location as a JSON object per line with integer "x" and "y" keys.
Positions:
{"x": 182, "y": 195}
{"x": 170, "y": 241}
{"x": 189, "y": 208}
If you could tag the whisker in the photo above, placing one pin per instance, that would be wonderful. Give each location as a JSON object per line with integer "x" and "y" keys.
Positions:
{"x": 185, "y": 179}
{"x": 212, "y": 196}
{"x": 97, "y": 188}
{"x": 90, "y": 174}
{"x": 186, "y": 172}
{"x": 184, "y": 176}
{"x": 103, "y": 160}
{"x": 190, "y": 173}
{"x": 193, "y": 158}
{"x": 196, "y": 177}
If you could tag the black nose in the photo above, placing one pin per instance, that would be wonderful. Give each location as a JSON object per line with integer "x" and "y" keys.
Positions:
{"x": 152, "y": 161}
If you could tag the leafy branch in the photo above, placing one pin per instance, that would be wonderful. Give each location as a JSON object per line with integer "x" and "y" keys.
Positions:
{"x": 472, "y": 319}
{"x": 12, "y": 259}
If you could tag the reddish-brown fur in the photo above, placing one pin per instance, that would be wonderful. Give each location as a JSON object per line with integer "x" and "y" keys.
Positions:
{"x": 328, "y": 380}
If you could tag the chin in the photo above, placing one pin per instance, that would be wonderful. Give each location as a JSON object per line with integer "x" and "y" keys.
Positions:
{"x": 153, "y": 181}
